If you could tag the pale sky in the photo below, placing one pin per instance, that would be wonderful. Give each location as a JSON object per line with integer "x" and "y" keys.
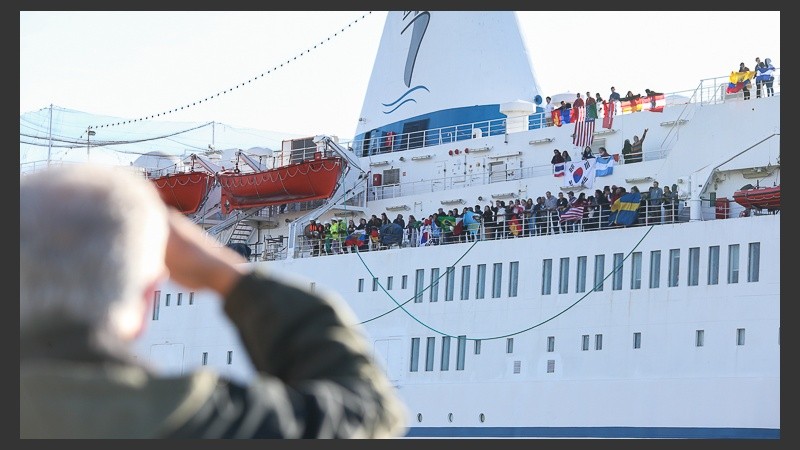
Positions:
{"x": 137, "y": 64}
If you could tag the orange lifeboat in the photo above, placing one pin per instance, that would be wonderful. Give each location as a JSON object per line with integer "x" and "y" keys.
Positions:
{"x": 312, "y": 179}
{"x": 185, "y": 191}
{"x": 759, "y": 198}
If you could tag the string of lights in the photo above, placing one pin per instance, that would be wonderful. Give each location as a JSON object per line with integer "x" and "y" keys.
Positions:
{"x": 231, "y": 89}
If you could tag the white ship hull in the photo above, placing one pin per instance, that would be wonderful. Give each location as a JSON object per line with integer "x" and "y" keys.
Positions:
{"x": 694, "y": 355}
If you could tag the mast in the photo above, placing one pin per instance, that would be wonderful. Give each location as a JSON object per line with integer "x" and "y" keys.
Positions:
{"x": 50, "y": 135}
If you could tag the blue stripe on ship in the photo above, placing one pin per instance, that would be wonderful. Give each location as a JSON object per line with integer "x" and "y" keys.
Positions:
{"x": 594, "y": 432}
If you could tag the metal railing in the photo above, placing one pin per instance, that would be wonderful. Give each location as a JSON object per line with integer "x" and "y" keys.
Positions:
{"x": 545, "y": 223}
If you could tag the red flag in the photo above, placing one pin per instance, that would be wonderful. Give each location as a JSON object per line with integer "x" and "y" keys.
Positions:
{"x": 573, "y": 213}
{"x": 608, "y": 114}
{"x": 556, "y": 117}
{"x": 655, "y": 103}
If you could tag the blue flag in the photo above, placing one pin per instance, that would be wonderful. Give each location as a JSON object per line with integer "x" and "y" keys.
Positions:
{"x": 625, "y": 209}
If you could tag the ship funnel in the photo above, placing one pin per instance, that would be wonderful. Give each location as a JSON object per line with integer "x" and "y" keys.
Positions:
{"x": 442, "y": 68}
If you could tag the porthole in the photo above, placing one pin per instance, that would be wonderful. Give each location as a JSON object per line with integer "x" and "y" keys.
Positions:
{"x": 482, "y": 417}
{"x": 450, "y": 417}
{"x": 419, "y": 417}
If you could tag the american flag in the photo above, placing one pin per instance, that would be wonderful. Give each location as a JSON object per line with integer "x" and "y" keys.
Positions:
{"x": 584, "y": 129}
{"x": 573, "y": 213}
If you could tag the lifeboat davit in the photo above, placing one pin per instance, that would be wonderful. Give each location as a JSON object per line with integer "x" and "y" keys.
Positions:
{"x": 759, "y": 198}
{"x": 312, "y": 179}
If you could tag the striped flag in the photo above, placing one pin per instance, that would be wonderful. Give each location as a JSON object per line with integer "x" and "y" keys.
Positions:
{"x": 608, "y": 114}
{"x": 603, "y": 166}
{"x": 558, "y": 170}
{"x": 584, "y": 129}
{"x": 654, "y": 103}
{"x": 631, "y": 105}
{"x": 573, "y": 213}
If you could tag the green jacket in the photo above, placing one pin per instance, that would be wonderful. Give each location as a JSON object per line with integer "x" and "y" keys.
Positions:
{"x": 317, "y": 379}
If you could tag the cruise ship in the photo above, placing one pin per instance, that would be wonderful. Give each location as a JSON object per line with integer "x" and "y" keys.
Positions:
{"x": 638, "y": 317}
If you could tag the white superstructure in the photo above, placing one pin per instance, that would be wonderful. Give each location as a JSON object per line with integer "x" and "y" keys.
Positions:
{"x": 655, "y": 330}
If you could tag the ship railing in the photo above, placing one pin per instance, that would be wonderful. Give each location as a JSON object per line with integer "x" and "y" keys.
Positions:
{"x": 675, "y": 211}
{"x": 709, "y": 91}
{"x": 396, "y": 190}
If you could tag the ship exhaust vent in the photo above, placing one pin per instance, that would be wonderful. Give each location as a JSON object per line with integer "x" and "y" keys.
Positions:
{"x": 517, "y": 366}
{"x": 551, "y": 365}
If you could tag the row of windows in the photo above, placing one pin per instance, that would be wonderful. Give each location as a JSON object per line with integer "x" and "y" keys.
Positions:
{"x": 444, "y": 355}
{"x": 204, "y": 359}
{"x": 636, "y": 270}
{"x": 167, "y": 301}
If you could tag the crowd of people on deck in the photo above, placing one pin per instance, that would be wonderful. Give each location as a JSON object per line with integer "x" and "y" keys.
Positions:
{"x": 546, "y": 214}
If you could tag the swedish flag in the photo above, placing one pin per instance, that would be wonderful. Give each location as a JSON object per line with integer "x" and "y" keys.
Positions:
{"x": 625, "y": 210}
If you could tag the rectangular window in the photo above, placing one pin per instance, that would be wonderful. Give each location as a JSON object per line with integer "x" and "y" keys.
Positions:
{"x": 753, "y": 262}
{"x": 636, "y": 270}
{"x": 616, "y": 280}
{"x": 563, "y": 275}
{"x": 477, "y": 346}
{"x": 509, "y": 345}
{"x": 404, "y": 282}
{"x": 585, "y": 342}
{"x": 674, "y": 264}
{"x": 445, "y": 353}
{"x": 434, "y": 291}
{"x": 461, "y": 351}
{"x": 480, "y": 285}
{"x": 375, "y": 283}
{"x": 430, "y": 354}
{"x": 465, "y": 282}
{"x": 389, "y": 283}
{"x": 551, "y": 344}
{"x": 360, "y": 285}
{"x": 733, "y": 263}
{"x": 699, "y": 338}
{"x": 580, "y": 282}
{"x": 513, "y": 278}
{"x": 637, "y": 339}
{"x": 180, "y": 298}
{"x": 740, "y": 336}
{"x": 191, "y": 298}
{"x": 655, "y": 269}
{"x": 166, "y": 299}
{"x": 497, "y": 280}
{"x": 156, "y": 304}
{"x": 419, "y": 285}
{"x": 204, "y": 359}
{"x": 693, "y": 277}
{"x": 599, "y": 271}
{"x": 230, "y": 357}
{"x": 449, "y": 283}
{"x": 547, "y": 276}
{"x": 414, "y": 367}
{"x": 713, "y": 265}
{"x": 598, "y": 341}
